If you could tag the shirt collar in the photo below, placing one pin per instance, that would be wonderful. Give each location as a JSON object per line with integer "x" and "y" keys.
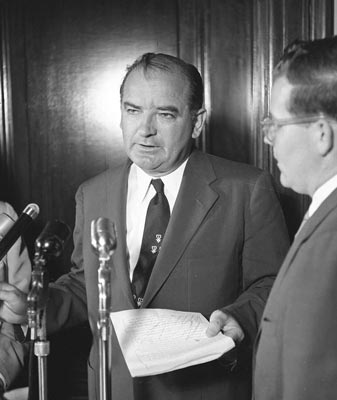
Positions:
{"x": 322, "y": 193}
{"x": 142, "y": 180}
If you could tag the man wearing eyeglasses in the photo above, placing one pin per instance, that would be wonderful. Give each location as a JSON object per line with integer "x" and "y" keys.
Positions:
{"x": 296, "y": 354}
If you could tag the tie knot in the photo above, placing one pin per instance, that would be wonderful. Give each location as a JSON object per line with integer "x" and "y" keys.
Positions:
{"x": 158, "y": 185}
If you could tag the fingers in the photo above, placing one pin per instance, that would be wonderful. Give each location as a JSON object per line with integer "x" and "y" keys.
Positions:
{"x": 14, "y": 304}
{"x": 234, "y": 331}
{"x": 217, "y": 321}
{"x": 6, "y": 286}
{"x": 225, "y": 323}
{"x": 8, "y": 296}
{"x": 9, "y": 292}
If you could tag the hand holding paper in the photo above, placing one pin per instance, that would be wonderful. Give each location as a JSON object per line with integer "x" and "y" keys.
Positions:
{"x": 154, "y": 341}
{"x": 220, "y": 321}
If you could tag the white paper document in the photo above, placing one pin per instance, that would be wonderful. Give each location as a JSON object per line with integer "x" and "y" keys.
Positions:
{"x": 154, "y": 341}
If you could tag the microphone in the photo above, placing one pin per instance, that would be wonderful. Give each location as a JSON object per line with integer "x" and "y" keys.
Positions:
{"x": 103, "y": 242}
{"x": 51, "y": 240}
{"x": 18, "y": 228}
{"x": 103, "y": 237}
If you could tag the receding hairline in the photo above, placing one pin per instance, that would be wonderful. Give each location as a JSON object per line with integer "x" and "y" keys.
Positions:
{"x": 150, "y": 72}
{"x": 161, "y": 62}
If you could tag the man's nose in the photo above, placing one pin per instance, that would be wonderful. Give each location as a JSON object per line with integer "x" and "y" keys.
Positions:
{"x": 148, "y": 125}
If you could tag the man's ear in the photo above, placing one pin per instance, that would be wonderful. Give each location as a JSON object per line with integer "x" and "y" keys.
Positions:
{"x": 199, "y": 121}
{"x": 324, "y": 137}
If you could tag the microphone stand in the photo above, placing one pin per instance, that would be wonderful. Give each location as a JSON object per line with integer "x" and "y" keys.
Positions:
{"x": 37, "y": 301}
{"x": 103, "y": 243}
{"x": 49, "y": 243}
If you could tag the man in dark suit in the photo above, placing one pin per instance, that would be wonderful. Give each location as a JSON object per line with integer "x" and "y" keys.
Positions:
{"x": 296, "y": 356}
{"x": 220, "y": 251}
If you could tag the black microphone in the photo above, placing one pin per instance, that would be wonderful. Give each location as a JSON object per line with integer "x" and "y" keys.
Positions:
{"x": 18, "y": 228}
{"x": 51, "y": 240}
{"x": 103, "y": 237}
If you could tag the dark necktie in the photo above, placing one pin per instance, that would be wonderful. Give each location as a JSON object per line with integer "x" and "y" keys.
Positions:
{"x": 157, "y": 218}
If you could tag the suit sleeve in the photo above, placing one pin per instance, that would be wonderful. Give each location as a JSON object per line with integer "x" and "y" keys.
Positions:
{"x": 67, "y": 306}
{"x": 264, "y": 248}
{"x": 15, "y": 268}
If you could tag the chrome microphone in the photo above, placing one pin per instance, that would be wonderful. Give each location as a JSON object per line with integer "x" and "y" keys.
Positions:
{"x": 103, "y": 237}
{"x": 103, "y": 242}
{"x": 18, "y": 228}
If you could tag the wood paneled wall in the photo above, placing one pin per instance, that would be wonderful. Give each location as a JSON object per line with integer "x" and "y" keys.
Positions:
{"x": 62, "y": 63}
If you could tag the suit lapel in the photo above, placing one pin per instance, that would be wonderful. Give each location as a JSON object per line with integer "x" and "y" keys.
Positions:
{"x": 307, "y": 230}
{"x": 116, "y": 203}
{"x": 195, "y": 198}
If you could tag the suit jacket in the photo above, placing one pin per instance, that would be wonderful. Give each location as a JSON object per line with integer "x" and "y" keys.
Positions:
{"x": 296, "y": 356}
{"x": 15, "y": 268}
{"x": 223, "y": 246}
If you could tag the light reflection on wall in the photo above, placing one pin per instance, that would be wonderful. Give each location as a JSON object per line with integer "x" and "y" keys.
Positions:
{"x": 103, "y": 104}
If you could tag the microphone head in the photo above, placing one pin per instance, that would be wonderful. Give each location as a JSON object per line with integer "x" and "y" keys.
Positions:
{"x": 103, "y": 237}
{"x": 32, "y": 210}
{"x": 6, "y": 222}
{"x": 52, "y": 239}
{"x": 18, "y": 228}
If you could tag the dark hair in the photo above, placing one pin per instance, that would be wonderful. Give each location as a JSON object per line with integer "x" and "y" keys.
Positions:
{"x": 311, "y": 67}
{"x": 164, "y": 62}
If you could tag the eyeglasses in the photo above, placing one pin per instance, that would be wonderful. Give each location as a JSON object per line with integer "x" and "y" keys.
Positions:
{"x": 270, "y": 125}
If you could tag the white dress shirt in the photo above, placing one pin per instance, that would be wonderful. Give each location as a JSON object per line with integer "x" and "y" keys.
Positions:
{"x": 322, "y": 193}
{"x": 140, "y": 192}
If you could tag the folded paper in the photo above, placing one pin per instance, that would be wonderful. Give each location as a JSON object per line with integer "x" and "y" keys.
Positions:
{"x": 155, "y": 341}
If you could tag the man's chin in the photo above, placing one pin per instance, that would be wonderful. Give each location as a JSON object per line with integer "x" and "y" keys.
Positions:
{"x": 290, "y": 185}
{"x": 147, "y": 164}
{"x": 284, "y": 181}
